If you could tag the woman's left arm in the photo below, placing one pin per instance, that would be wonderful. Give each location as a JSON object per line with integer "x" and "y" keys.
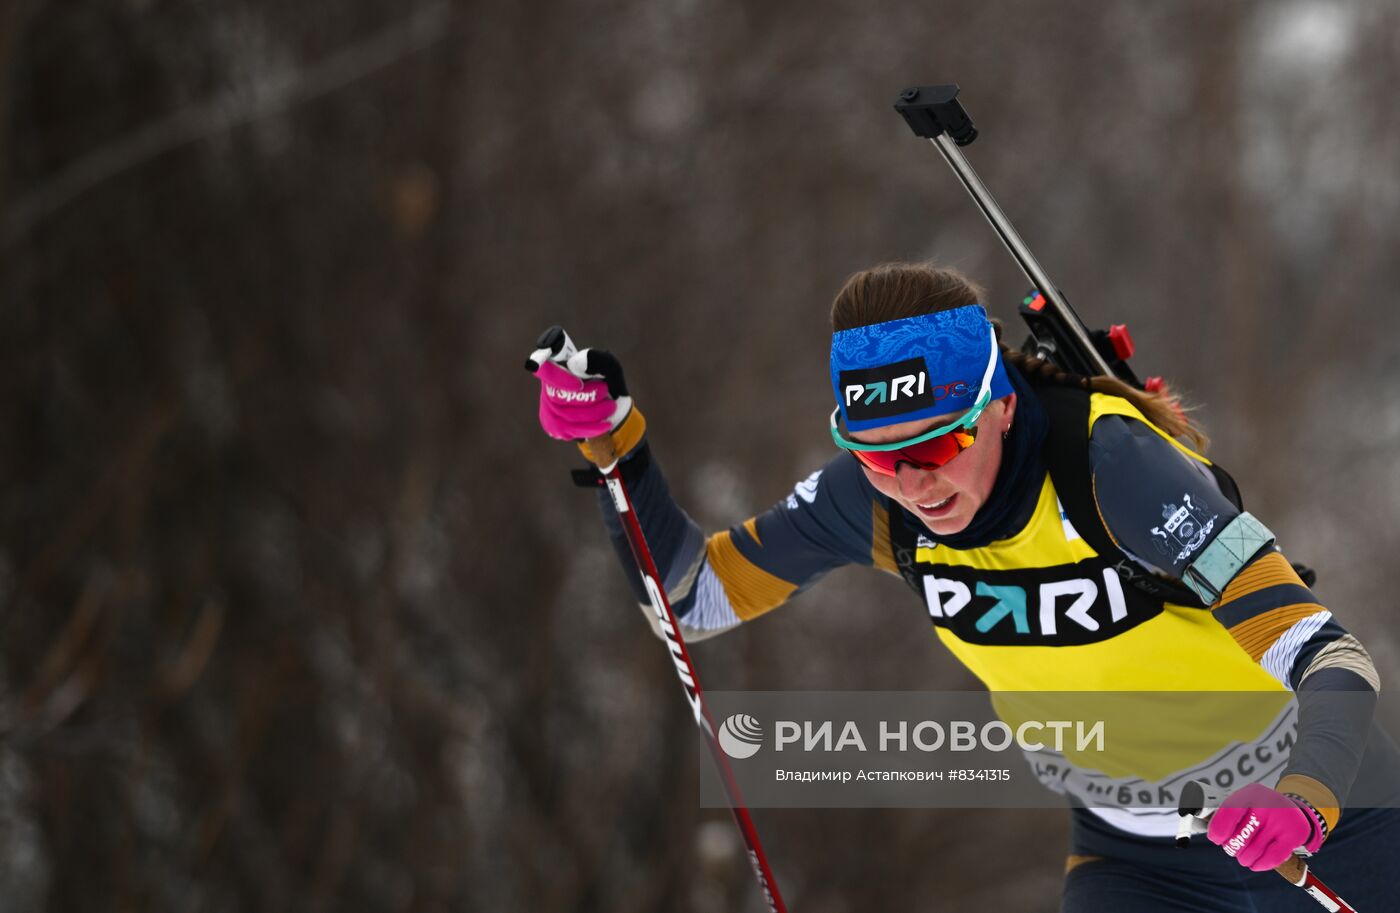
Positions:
{"x": 1275, "y": 618}
{"x": 1254, "y": 592}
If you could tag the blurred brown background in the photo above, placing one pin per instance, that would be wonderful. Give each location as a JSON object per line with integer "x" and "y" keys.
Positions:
{"x": 298, "y": 610}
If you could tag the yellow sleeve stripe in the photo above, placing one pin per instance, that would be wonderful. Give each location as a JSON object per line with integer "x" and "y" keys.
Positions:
{"x": 751, "y": 590}
{"x": 751, "y": 527}
{"x": 881, "y": 552}
{"x": 1073, "y": 862}
{"x": 1259, "y": 633}
{"x": 1318, "y": 796}
{"x": 1101, "y": 404}
{"x": 1270, "y": 570}
{"x": 1094, "y": 490}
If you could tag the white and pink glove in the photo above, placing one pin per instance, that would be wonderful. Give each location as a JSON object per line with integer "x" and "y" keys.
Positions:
{"x": 582, "y": 392}
{"x": 1261, "y": 827}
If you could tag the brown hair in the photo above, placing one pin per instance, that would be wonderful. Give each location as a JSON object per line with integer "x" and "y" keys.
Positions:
{"x": 892, "y": 291}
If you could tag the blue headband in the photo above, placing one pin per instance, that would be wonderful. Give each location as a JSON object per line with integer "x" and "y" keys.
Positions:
{"x": 914, "y": 368}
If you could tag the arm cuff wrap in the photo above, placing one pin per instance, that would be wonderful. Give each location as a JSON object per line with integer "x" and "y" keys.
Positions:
{"x": 1221, "y": 560}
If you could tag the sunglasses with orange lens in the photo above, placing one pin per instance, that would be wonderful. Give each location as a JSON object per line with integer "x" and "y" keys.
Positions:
{"x": 933, "y": 453}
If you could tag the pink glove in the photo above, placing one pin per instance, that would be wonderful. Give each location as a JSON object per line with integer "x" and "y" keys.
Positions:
{"x": 1262, "y": 827}
{"x": 582, "y": 393}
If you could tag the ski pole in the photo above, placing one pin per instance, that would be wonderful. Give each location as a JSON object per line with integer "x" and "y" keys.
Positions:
{"x": 934, "y": 113}
{"x": 690, "y": 681}
{"x": 680, "y": 656}
{"x": 1199, "y": 801}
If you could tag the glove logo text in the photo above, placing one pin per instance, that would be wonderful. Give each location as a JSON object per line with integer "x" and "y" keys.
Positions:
{"x": 571, "y": 396}
{"x": 1237, "y": 842}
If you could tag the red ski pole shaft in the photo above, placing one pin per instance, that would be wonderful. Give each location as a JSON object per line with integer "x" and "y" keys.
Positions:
{"x": 1298, "y": 873}
{"x": 690, "y": 681}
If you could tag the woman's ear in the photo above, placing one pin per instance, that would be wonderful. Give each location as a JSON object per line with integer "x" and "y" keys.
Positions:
{"x": 1008, "y": 412}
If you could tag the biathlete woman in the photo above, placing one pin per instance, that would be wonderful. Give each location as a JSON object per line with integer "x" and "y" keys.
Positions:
{"x": 970, "y": 469}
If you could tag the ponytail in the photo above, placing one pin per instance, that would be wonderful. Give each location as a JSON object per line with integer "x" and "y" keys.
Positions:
{"x": 1162, "y": 409}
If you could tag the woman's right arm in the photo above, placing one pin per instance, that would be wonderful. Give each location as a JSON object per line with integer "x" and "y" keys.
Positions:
{"x": 716, "y": 582}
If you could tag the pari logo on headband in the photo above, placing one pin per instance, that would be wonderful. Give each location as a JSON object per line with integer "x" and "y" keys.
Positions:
{"x": 893, "y": 389}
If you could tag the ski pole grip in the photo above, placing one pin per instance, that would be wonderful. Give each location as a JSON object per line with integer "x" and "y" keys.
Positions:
{"x": 931, "y": 111}
{"x": 603, "y": 451}
{"x": 1294, "y": 869}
